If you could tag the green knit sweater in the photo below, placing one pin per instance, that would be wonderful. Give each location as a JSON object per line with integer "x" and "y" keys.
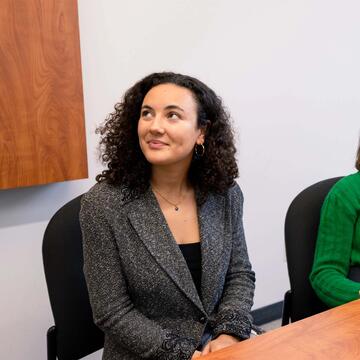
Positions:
{"x": 338, "y": 243}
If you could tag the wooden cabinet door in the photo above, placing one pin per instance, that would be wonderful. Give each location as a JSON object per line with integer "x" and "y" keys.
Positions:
{"x": 42, "y": 130}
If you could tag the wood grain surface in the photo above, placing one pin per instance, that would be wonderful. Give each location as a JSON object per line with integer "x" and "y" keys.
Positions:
{"x": 331, "y": 335}
{"x": 42, "y": 130}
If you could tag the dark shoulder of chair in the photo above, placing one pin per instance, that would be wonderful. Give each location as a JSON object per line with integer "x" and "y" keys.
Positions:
{"x": 301, "y": 227}
{"x": 74, "y": 335}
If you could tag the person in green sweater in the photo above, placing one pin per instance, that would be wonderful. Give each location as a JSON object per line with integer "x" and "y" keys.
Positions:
{"x": 338, "y": 242}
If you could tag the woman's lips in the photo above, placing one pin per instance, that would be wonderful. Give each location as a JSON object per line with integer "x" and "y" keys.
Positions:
{"x": 156, "y": 144}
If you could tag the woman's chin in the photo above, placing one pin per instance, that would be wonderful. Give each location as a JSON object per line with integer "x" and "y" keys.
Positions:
{"x": 159, "y": 160}
{"x": 164, "y": 161}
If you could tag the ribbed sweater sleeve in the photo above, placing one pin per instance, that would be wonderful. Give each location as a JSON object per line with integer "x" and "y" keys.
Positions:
{"x": 339, "y": 234}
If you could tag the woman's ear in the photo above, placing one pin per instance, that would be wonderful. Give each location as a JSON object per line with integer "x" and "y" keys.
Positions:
{"x": 201, "y": 138}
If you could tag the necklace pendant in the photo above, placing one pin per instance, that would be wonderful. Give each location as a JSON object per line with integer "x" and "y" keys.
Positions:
{"x": 176, "y": 208}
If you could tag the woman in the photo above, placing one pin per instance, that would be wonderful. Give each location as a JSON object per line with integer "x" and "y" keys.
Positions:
{"x": 338, "y": 244}
{"x": 165, "y": 258}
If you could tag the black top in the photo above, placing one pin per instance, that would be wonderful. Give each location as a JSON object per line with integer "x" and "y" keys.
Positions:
{"x": 192, "y": 256}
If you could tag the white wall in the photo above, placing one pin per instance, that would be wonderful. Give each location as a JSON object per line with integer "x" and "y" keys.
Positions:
{"x": 287, "y": 70}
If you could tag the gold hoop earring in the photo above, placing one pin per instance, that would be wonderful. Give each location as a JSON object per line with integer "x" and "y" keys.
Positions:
{"x": 200, "y": 153}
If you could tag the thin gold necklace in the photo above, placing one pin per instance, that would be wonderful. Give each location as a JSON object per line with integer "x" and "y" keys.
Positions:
{"x": 176, "y": 206}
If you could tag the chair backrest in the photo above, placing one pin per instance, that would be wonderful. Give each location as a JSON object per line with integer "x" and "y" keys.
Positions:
{"x": 301, "y": 227}
{"x": 76, "y": 334}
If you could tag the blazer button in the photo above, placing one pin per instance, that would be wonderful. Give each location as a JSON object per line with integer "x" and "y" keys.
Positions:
{"x": 202, "y": 320}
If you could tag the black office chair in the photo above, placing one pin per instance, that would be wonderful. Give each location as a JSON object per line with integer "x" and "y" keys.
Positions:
{"x": 74, "y": 334}
{"x": 301, "y": 227}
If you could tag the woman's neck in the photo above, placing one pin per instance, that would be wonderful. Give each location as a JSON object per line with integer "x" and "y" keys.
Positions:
{"x": 170, "y": 180}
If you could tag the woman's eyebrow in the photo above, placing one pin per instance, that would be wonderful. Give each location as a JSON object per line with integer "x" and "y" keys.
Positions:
{"x": 170, "y": 107}
{"x": 147, "y": 107}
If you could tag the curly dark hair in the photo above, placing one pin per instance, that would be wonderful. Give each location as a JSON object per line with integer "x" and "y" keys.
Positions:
{"x": 357, "y": 163}
{"x": 126, "y": 164}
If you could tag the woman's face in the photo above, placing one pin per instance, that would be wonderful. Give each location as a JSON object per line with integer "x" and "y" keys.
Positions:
{"x": 167, "y": 127}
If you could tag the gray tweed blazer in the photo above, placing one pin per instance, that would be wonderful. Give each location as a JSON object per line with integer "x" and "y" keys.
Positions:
{"x": 141, "y": 290}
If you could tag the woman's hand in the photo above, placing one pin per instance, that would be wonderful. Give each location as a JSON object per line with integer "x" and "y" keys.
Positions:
{"x": 206, "y": 349}
{"x": 222, "y": 341}
{"x": 196, "y": 355}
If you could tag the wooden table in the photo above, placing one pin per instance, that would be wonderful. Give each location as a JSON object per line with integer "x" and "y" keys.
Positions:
{"x": 333, "y": 334}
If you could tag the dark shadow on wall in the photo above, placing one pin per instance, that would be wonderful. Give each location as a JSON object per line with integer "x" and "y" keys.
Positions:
{"x": 37, "y": 203}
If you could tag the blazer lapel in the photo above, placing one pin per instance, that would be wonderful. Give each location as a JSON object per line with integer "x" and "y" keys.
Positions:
{"x": 213, "y": 241}
{"x": 150, "y": 224}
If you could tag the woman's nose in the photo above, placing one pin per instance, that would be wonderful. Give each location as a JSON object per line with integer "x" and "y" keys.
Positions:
{"x": 157, "y": 125}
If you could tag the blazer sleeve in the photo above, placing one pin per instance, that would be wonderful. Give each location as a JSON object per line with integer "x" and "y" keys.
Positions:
{"x": 113, "y": 310}
{"x": 233, "y": 315}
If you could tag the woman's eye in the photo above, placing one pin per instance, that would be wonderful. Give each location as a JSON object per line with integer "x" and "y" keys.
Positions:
{"x": 173, "y": 115}
{"x": 145, "y": 113}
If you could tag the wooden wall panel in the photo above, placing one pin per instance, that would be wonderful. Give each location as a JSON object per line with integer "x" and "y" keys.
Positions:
{"x": 42, "y": 130}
